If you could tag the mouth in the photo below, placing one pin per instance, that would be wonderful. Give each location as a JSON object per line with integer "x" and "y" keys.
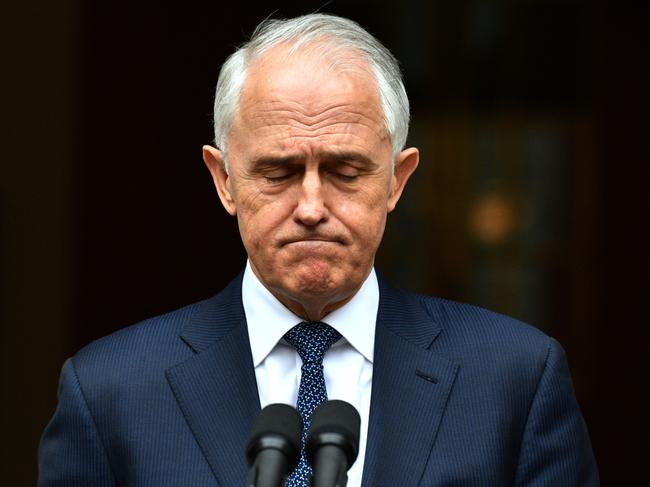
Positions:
{"x": 311, "y": 241}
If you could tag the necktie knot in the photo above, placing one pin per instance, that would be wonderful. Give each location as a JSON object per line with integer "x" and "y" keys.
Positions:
{"x": 312, "y": 339}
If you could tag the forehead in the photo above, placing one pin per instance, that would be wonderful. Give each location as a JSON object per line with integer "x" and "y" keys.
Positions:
{"x": 310, "y": 87}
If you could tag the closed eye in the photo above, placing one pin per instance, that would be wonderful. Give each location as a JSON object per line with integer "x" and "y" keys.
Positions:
{"x": 346, "y": 177}
{"x": 280, "y": 173}
{"x": 278, "y": 178}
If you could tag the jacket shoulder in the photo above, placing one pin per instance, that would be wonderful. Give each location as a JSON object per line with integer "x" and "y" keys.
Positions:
{"x": 461, "y": 318}
{"x": 146, "y": 336}
{"x": 162, "y": 335}
{"x": 469, "y": 332}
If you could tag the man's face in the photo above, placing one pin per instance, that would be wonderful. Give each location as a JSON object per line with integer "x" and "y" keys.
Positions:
{"x": 309, "y": 178}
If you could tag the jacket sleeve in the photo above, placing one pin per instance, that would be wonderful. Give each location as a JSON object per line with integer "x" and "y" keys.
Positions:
{"x": 71, "y": 452}
{"x": 555, "y": 448}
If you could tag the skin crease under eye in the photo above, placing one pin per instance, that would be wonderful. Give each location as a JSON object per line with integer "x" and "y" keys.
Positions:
{"x": 310, "y": 220}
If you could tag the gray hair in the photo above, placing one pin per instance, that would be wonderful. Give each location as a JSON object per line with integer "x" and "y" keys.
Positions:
{"x": 337, "y": 33}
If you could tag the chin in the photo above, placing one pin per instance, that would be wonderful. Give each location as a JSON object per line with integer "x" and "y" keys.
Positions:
{"x": 315, "y": 279}
{"x": 301, "y": 277}
{"x": 314, "y": 282}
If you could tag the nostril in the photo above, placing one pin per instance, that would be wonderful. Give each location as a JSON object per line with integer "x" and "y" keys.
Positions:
{"x": 311, "y": 209}
{"x": 310, "y": 217}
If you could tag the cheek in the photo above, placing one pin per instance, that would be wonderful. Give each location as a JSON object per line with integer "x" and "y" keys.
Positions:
{"x": 259, "y": 219}
{"x": 365, "y": 222}
{"x": 367, "y": 202}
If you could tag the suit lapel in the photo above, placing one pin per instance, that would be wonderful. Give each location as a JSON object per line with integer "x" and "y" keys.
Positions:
{"x": 410, "y": 388}
{"x": 216, "y": 388}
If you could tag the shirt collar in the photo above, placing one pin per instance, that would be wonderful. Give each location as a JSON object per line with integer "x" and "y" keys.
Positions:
{"x": 268, "y": 319}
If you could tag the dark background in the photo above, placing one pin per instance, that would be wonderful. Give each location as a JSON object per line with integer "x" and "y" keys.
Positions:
{"x": 532, "y": 120}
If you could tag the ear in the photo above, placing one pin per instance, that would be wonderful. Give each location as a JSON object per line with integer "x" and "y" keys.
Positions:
{"x": 405, "y": 163}
{"x": 213, "y": 159}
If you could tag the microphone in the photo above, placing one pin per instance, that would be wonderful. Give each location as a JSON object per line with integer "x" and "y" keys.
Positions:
{"x": 333, "y": 443}
{"x": 273, "y": 448}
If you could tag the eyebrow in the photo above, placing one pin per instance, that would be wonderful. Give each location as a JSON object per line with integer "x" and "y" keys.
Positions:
{"x": 326, "y": 156}
{"x": 273, "y": 161}
{"x": 349, "y": 156}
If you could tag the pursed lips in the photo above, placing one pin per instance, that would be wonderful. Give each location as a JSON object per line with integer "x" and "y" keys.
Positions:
{"x": 311, "y": 240}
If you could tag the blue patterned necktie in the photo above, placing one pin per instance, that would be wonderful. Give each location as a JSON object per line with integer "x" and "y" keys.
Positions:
{"x": 311, "y": 341}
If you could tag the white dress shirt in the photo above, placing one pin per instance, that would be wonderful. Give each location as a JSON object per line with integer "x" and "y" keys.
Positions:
{"x": 347, "y": 364}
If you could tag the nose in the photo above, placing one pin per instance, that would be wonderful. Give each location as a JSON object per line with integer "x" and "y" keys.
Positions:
{"x": 311, "y": 208}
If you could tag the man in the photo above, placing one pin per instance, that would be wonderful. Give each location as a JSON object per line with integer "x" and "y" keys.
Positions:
{"x": 310, "y": 123}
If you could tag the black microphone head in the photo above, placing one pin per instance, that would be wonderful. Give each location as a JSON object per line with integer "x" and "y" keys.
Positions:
{"x": 334, "y": 423}
{"x": 278, "y": 426}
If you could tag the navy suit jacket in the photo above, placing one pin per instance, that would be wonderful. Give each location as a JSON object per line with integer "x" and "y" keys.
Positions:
{"x": 460, "y": 397}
